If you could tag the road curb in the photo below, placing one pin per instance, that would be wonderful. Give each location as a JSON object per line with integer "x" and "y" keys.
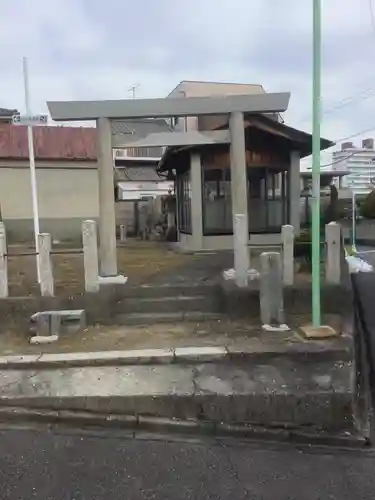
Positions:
{"x": 139, "y": 425}
{"x": 185, "y": 355}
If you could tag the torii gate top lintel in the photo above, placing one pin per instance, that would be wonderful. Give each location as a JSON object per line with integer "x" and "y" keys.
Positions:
{"x": 168, "y": 107}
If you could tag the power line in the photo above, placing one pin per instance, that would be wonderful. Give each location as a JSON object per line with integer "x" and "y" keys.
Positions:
{"x": 364, "y": 94}
{"x": 347, "y": 101}
{"x": 342, "y": 140}
{"x": 337, "y": 161}
{"x": 342, "y": 159}
{"x": 341, "y": 103}
{"x": 355, "y": 135}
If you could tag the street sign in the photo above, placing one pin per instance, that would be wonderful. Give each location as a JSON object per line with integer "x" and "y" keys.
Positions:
{"x": 29, "y": 119}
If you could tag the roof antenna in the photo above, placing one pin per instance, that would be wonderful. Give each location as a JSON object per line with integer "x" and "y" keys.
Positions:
{"x": 133, "y": 88}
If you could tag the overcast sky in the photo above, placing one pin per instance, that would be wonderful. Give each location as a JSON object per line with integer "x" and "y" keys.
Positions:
{"x": 95, "y": 49}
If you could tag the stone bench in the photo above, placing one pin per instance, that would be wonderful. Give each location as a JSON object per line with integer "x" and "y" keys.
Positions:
{"x": 53, "y": 323}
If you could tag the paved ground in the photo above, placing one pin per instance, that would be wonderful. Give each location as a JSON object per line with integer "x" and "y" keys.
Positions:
{"x": 72, "y": 465}
{"x": 367, "y": 253}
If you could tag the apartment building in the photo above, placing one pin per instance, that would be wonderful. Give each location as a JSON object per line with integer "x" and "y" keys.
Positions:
{"x": 359, "y": 162}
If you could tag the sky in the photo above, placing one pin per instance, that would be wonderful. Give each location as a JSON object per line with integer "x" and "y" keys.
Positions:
{"x": 95, "y": 49}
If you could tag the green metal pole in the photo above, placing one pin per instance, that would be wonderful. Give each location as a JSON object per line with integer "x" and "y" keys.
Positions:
{"x": 315, "y": 230}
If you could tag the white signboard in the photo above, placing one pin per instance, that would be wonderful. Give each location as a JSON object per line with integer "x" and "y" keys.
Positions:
{"x": 29, "y": 119}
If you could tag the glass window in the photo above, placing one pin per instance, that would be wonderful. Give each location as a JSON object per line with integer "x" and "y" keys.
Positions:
{"x": 216, "y": 202}
{"x": 268, "y": 200}
{"x": 184, "y": 202}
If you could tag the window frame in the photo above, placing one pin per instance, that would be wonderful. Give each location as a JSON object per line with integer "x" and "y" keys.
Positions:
{"x": 183, "y": 189}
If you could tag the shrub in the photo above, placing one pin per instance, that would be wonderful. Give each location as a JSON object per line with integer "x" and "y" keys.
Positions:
{"x": 302, "y": 245}
{"x": 367, "y": 208}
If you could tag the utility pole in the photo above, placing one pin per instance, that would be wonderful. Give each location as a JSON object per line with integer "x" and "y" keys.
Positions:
{"x": 316, "y": 113}
{"x": 30, "y": 141}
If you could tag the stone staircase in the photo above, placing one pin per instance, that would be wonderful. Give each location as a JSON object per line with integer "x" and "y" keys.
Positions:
{"x": 150, "y": 304}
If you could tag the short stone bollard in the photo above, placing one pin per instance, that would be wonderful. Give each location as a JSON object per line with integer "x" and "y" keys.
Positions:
{"x": 3, "y": 232}
{"x": 271, "y": 292}
{"x": 3, "y": 267}
{"x": 333, "y": 253}
{"x": 47, "y": 288}
{"x": 90, "y": 256}
{"x": 122, "y": 232}
{"x": 287, "y": 237}
{"x": 241, "y": 250}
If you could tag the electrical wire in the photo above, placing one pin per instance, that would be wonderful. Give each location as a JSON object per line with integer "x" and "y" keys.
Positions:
{"x": 338, "y": 106}
{"x": 347, "y": 101}
{"x": 342, "y": 139}
{"x": 362, "y": 95}
{"x": 337, "y": 161}
{"x": 355, "y": 134}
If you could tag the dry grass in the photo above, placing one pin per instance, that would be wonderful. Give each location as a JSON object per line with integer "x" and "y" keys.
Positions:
{"x": 138, "y": 260}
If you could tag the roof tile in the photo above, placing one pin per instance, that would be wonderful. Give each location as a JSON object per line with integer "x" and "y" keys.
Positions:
{"x": 50, "y": 143}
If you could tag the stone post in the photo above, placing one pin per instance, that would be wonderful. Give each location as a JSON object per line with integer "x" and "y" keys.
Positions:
{"x": 271, "y": 292}
{"x": 295, "y": 191}
{"x": 239, "y": 198}
{"x": 287, "y": 237}
{"x": 3, "y": 232}
{"x": 241, "y": 249}
{"x": 90, "y": 256}
{"x": 333, "y": 257}
{"x": 196, "y": 200}
{"x": 122, "y": 232}
{"x": 170, "y": 220}
{"x": 45, "y": 263}
{"x": 3, "y": 267}
{"x": 107, "y": 216}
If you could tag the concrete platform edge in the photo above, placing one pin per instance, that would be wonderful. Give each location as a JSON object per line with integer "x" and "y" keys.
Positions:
{"x": 207, "y": 354}
{"x": 137, "y": 426}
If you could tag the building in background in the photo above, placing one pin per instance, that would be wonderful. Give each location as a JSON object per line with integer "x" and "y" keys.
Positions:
{"x": 193, "y": 88}
{"x": 135, "y": 172}
{"x": 6, "y": 115}
{"x": 359, "y": 162}
{"x": 139, "y": 128}
{"x": 67, "y": 178}
{"x": 136, "y": 175}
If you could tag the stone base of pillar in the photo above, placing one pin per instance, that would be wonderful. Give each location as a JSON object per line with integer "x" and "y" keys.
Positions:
{"x": 280, "y": 328}
{"x": 113, "y": 280}
{"x": 43, "y": 339}
{"x": 230, "y": 274}
{"x": 319, "y": 332}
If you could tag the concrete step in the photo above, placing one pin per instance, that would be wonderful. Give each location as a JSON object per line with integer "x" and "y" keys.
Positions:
{"x": 281, "y": 393}
{"x": 179, "y": 303}
{"x": 166, "y": 317}
{"x": 173, "y": 290}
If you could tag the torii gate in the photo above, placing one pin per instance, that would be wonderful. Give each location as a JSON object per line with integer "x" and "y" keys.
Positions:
{"x": 105, "y": 111}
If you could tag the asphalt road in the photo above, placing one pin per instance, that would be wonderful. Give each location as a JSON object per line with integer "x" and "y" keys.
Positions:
{"x": 74, "y": 465}
{"x": 367, "y": 253}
